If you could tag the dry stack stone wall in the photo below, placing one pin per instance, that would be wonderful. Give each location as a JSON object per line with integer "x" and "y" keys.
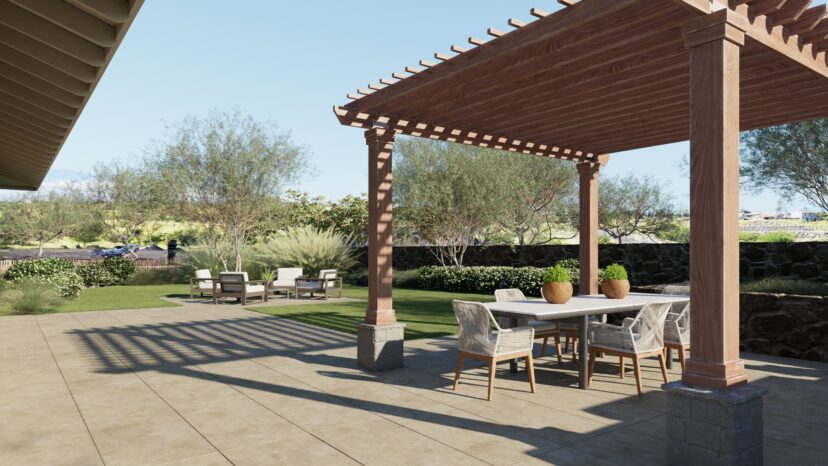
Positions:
{"x": 648, "y": 264}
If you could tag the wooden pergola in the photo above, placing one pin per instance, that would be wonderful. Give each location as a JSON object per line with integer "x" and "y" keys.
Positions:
{"x": 600, "y": 77}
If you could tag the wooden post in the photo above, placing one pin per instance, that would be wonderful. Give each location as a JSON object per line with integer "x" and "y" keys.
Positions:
{"x": 588, "y": 244}
{"x": 380, "y": 239}
{"x": 714, "y": 45}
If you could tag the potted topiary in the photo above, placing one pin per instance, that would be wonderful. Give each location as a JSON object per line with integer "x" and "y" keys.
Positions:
{"x": 615, "y": 284}
{"x": 557, "y": 285}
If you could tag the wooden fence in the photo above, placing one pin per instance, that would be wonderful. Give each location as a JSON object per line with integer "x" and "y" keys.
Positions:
{"x": 140, "y": 264}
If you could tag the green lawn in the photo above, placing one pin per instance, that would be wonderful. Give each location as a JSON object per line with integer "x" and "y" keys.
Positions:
{"x": 425, "y": 313}
{"x": 124, "y": 297}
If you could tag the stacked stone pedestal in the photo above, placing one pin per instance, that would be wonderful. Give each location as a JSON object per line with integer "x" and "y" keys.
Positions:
{"x": 714, "y": 427}
{"x": 380, "y": 347}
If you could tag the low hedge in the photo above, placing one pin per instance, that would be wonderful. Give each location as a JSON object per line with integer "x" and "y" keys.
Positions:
{"x": 484, "y": 280}
{"x": 58, "y": 272}
{"x": 97, "y": 275}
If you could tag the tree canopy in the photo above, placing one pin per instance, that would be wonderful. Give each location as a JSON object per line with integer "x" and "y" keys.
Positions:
{"x": 631, "y": 205}
{"x": 224, "y": 171}
{"x": 791, "y": 160}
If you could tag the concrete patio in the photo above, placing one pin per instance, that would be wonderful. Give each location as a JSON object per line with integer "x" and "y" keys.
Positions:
{"x": 207, "y": 384}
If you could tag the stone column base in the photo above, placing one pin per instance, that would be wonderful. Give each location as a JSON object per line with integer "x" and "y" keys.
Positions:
{"x": 380, "y": 347}
{"x": 714, "y": 427}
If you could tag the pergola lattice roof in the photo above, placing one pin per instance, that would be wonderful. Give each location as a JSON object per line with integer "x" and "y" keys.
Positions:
{"x": 600, "y": 77}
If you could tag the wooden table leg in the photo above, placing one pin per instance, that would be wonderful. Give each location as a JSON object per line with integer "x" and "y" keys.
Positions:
{"x": 513, "y": 363}
{"x": 583, "y": 360}
{"x": 669, "y": 358}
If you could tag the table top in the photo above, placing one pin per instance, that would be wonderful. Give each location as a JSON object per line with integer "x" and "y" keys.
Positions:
{"x": 539, "y": 309}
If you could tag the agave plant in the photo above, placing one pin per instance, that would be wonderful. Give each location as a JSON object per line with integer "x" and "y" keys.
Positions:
{"x": 310, "y": 248}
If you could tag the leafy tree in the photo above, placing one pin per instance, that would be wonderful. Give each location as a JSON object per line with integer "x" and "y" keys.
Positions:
{"x": 632, "y": 205}
{"x": 38, "y": 218}
{"x": 790, "y": 159}
{"x": 446, "y": 195}
{"x": 537, "y": 195}
{"x": 224, "y": 171}
{"x": 127, "y": 199}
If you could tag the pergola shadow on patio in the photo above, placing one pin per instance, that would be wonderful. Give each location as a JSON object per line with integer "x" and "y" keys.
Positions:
{"x": 201, "y": 385}
{"x": 601, "y": 77}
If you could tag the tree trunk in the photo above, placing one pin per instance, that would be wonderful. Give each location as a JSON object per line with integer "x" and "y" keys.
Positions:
{"x": 40, "y": 248}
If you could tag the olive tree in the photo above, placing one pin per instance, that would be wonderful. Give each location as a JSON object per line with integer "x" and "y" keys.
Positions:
{"x": 125, "y": 199}
{"x": 631, "y": 205}
{"x": 790, "y": 159}
{"x": 224, "y": 171}
{"x": 38, "y": 218}
{"x": 446, "y": 195}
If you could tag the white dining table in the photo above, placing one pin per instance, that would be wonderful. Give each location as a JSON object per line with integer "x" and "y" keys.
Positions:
{"x": 580, "y": 307}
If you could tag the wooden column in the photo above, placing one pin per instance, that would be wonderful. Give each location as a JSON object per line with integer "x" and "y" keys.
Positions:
{"x": 714, "y": 45}
{"x": 380, "y": 239}
{"x": 588, "y": 244}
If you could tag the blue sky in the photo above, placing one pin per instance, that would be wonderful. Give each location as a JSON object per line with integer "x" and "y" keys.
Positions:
{"x": 289, "y": 62}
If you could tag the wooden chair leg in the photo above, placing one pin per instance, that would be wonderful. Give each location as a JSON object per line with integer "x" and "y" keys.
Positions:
{"x": 637, "y": 366}
{"x": 459, "y": 369}
{"x": 591, "y": 366}
{"x": 681, "y": 357}
{"x": 491, "y": 378}
{"x": 543, "y": 348}
{"x": 663, "y": 361}
{"x": 530, "y": 368}
{"x": 621, "y": 365}
{"x": 558, "y": 349}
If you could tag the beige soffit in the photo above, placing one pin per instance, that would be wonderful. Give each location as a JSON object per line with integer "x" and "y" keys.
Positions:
{"x": 52, "y": 55}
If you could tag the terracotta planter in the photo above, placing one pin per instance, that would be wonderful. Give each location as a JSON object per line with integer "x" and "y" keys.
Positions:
{"x": 557, "y": 293}
{"x": 615, "y": 289}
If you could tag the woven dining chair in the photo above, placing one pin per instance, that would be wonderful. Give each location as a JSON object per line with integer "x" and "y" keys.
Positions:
{"x": 570, "y": 330}
{"x": 478, "y": 341}
{"x": 543, "y": 329}
{"x": 677, "y": 332}
{"x": 636, "y": 339}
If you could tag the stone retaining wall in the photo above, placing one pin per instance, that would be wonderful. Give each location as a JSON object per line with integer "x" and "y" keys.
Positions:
{"x": 778, "y": 324}
{"x": 647, "y": 263}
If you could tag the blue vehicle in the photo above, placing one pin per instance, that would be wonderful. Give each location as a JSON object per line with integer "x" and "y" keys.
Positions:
{"x": 117, "y": 251}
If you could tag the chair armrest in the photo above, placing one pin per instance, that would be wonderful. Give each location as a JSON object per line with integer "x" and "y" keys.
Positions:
{"x": 612, "y": 336}
{"x": 628, "y": 322}
{"x": 515, "y": 339}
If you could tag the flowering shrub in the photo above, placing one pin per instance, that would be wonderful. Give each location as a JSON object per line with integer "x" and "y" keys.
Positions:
{"x": 59, "y": 272}
{"x": 120, "y": 267}
{"x": 96, "y": 274}
{"x": 41, "y": 268}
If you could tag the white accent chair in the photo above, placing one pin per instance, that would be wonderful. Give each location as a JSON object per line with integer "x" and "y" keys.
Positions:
{"x": 677, "y": 332}
{"x": 543, "y": 330}
{"x": 238, "y": 285}
{"x": 637, "y": 338}
{"x": 202, "y": 283}
{"x": 286, "y": 280}
{"x": 477, "y": 341}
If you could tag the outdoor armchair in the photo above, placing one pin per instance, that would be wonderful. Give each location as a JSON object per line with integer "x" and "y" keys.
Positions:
{"x": 637, "y": 338}
{"x": 326, "y": 284}
{"x": 202, "y": 283}
{"x": 677, "y": 332}
{"x": 286, "y": 280}
{"x": 478, "y": 341}
{"x": 543, "y": 330}
{"x": 237, "y": 285}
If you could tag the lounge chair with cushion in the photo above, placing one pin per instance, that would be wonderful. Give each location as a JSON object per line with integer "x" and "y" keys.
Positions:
{"x": 327, "y": 283}
{"x": 238, "y": 285}
{"x": 286, "y": 280}
{"x": 202, "y": 283}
